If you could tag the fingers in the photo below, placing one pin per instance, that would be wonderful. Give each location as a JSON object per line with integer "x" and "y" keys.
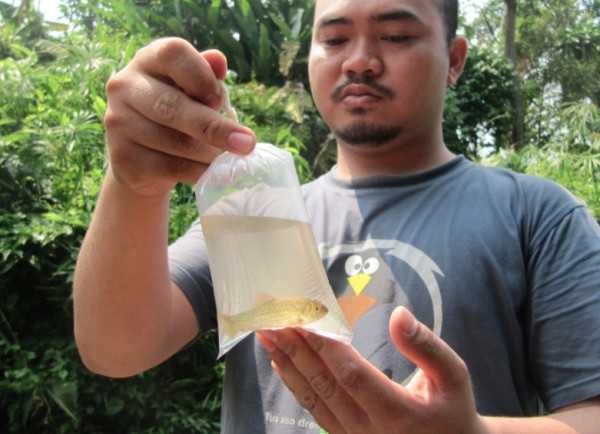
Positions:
{"x": 360, "y": 379}
{"x": 301, "y": 388}
{"x": 177, "y": 60}
{"x": 314, "y": 376}
{"x": 150, "y": 172}
{"x": 352, "y": 374}
{"x": 162, "y": 124}
{"x": 217, "y": 62}
{"x": 428, "y": 351}
{"x": 170, "y": 107}
{"x": 133, "y": 127}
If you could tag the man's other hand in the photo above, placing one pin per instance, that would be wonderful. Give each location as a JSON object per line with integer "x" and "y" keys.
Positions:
{"x": 346, "y": 394}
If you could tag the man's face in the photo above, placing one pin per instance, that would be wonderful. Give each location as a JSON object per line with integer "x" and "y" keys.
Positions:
{"x": 378, "y": 69}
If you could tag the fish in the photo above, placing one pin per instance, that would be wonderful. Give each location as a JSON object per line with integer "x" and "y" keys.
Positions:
{"x": 284, "y": 312}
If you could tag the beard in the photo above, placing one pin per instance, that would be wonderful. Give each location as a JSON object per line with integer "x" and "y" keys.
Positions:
{"x": 368, "y": 134}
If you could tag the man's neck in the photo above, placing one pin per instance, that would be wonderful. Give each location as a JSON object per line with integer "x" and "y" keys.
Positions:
{"x": 357, "y": 162}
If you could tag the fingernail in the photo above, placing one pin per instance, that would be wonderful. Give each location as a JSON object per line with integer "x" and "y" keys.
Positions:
{"x": 408, "y": 323}
{"x": 240, "y": 142}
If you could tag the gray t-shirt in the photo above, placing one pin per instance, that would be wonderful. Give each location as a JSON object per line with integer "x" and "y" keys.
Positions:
{"x": 505, "y": 267}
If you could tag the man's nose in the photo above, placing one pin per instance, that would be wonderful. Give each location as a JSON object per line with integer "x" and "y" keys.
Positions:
{"x": 363, "y": 59}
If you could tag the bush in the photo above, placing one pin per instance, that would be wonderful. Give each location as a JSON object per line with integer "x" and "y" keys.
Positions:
{"x": 51, "y": 148}
{"x": 478, "y": 108}
{"x": 52, "y": 163}
{"x": 571, "y": 156}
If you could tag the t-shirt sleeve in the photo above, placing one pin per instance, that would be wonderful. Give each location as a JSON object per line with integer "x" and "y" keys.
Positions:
{"x": 563, "y": 322}
{"x": 189, "y": 269}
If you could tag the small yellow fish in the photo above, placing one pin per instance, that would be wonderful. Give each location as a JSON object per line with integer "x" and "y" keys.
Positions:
{"x": 287, "y": 312}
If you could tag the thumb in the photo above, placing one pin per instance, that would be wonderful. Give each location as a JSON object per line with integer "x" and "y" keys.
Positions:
{"x": 427, "y": 350}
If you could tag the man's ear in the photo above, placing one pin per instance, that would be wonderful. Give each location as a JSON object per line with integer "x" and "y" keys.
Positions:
{"x": 459, "y": 49}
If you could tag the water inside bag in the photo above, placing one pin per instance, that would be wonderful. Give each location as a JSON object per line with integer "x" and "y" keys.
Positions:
{"x": 269, "y": 275}
{"x": 264, "y": 264}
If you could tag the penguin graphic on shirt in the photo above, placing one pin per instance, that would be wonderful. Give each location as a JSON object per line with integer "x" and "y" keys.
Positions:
{"x": 363, "y": 280}
{"x": 367, "y": 293}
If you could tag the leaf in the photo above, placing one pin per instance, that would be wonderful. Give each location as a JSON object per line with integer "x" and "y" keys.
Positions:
{"x": 246, "y": 21}
{"x": 282, "y": 25}
{"x": 183, "y": 383}
{"x": 56, "y": 27}
{"x": 297, "y": 23}
{"x": 214, "y": 13}
{"x": 175, "y": 25}
{"x": 177, "y": 4}
{"x": 294, "y": 110}
{"x": 289, "y": 51}
{"x": 27, "y": 410}
{"x": 114, "y": 406}
{"x": 99, "y": 106}
{"x": 264, "y": 53}
{"x": 65, "y": 396}
{"x": 225, "y": 38}
{"x": 244, "y": 7}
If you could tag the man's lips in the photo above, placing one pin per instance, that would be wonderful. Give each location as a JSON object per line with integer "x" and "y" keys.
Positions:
{"x": 359, "y": 100}
{"x": 359, "y": 96}
{"x": 359, "y": 91}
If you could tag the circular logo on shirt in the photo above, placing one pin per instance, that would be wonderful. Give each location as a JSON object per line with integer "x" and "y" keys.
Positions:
{"x": 363, "y": 277}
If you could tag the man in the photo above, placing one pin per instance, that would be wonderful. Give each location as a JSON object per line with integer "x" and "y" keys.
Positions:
{"x": 505, "y": 269}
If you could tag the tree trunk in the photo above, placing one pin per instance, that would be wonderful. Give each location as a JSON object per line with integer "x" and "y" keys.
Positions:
{"x": 22, "y": 11}
{"x": 510, "y": 51}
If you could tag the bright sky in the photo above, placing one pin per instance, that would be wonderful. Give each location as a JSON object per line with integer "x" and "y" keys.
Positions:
{"x": 48, "y": 7}
{"x": 51, "y": 12}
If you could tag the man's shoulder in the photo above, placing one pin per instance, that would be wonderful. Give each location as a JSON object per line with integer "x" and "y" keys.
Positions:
{"x": 497, "y": 183}
{"x": 314, "y": 186}
{"x": 534, "y": 190}
{"x": 538, "y": 203}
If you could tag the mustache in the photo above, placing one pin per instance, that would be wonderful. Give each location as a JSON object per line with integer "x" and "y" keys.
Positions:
{"x": 366, "y": 80}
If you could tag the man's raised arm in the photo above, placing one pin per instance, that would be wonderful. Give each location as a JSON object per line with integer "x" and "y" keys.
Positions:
{"x": 162, "y": 127}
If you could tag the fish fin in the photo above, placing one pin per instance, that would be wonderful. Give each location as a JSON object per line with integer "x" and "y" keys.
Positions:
{"x": 263, "y": 297}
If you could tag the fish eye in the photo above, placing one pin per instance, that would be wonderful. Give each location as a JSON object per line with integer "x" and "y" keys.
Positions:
{"x": 353, "y": 265}
{"x": 371, "y": 265}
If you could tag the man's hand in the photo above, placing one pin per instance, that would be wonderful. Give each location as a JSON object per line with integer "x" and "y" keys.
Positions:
{"x": 346, "y": 394}
{"x": 162, "y": 124}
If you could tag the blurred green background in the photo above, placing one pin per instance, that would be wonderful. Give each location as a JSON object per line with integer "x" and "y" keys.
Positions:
{"x": 529, "y": 100}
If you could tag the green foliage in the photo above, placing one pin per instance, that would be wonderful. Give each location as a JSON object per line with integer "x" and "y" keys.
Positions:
{"x": 255, "y": 35}
{"x": 478, "y": 108}
{"x": 52, "y": 162}
{"x": 571, "y": 156}
{"x": 6, "y": 10}
{"x": 569, "y": 55}
{"x": 558, "y": 50}
{"x": 285, "y": 117}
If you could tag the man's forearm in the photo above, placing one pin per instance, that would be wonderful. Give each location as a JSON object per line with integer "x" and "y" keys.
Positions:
{"x": 122, "y": 297}
{"x": 582, "y": 418}
{"x": 527, "y": 425}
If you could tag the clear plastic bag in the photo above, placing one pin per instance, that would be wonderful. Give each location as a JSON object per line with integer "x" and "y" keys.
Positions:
{"x": 264, "y": 263}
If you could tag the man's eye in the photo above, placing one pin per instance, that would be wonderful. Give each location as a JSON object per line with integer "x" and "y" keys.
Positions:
{"x": 332, "y": 42}
{"x": 396, "y": 38}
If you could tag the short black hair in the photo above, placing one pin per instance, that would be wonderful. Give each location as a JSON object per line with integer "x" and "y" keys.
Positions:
{"x": 449, "y": 11}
